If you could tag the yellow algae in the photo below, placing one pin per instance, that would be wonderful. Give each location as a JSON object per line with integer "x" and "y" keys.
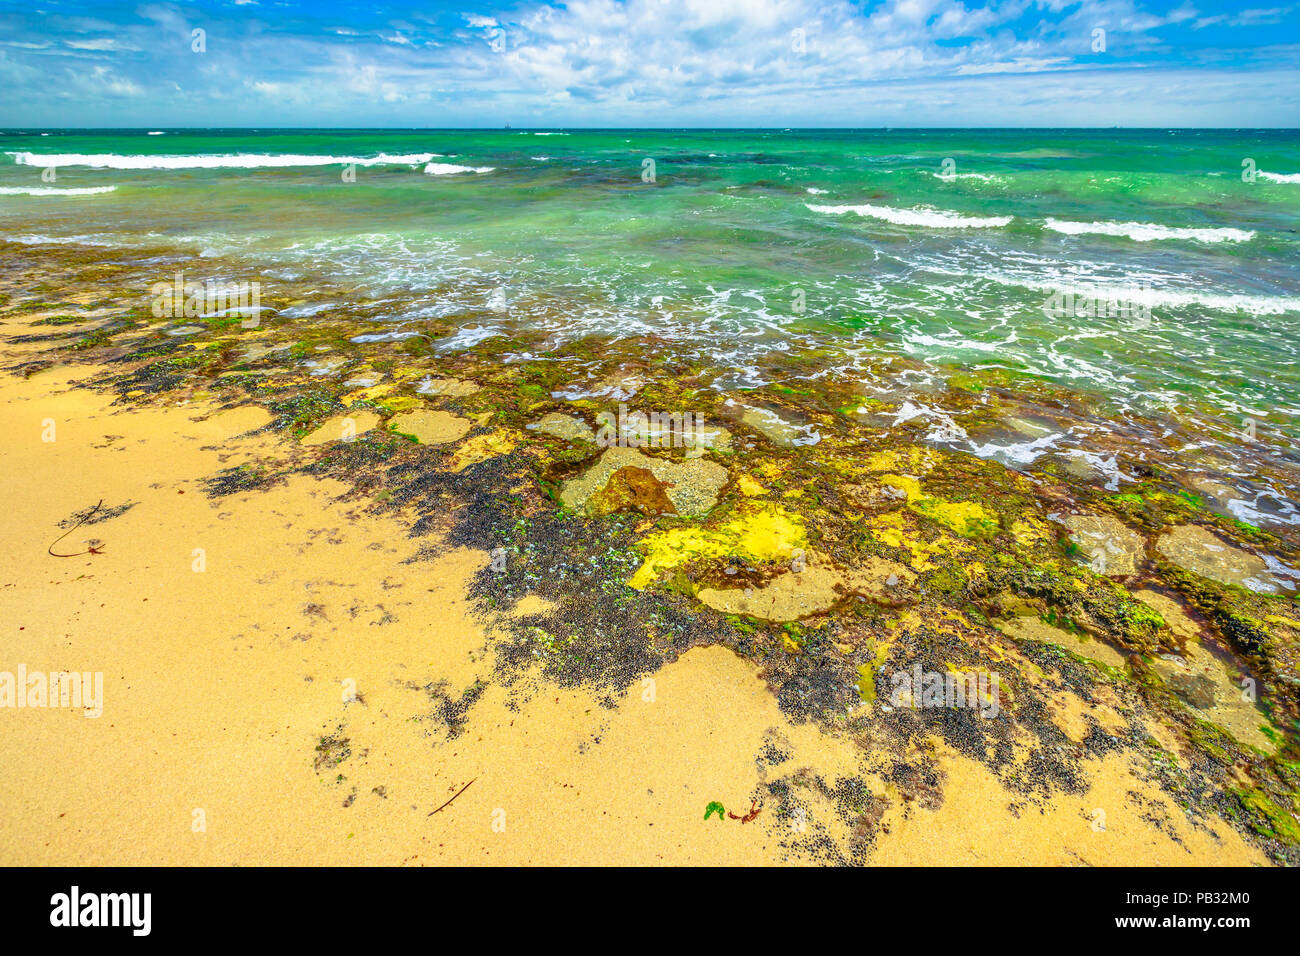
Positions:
{"x": 482, "y": 447}
{"x": 911, "y": 458}
{"x": 366, "y": 394}
{"x": 905, "y": 483}
{"x": 884, "y": 461}
{"x": 894, "y": 529}
{"x": 967, "y": 518}
{"x": 748, "y": 487}
{"x": 400, "y": 403}
{"x": 761, "y": 532}
{"x": 888, "y": 529}
{"x": 1029, "y": 532}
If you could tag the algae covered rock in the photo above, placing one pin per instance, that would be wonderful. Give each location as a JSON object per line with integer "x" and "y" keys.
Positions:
{"x": 342, "y": 428}
{"x": 482, "y": 447}
{"x": 692, "y": 486}
{"x": 1034, "y": 628}
{"x": 970, "y": 519}
{"x": 778, "y": 430}
{"x": 449, "y": 387}
{"x": 760, "y": 533}
{"x": 815, "y": 588}
{"x": 632, "y": 489}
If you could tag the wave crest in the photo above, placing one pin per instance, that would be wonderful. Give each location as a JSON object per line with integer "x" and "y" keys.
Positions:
{"x": 935, "y": 218}
{"x": 1149, "y": 231}
{"x": 222, "y": 161}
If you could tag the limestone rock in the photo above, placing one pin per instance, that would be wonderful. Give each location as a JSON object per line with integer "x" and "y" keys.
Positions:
{"x": 568, "y": 427}
{"x": 342, "y": 427}
{"x": 1109, "y": 546}
{"x": 430, "y": 426}
{"x": 1192, "y": 547}
{"x": 692, "y": 486}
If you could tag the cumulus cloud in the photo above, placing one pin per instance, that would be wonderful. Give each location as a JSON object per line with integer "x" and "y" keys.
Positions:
{"x": 651, "y": 62}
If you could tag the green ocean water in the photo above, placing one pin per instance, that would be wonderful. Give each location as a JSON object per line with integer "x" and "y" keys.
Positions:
{"x": 1157, "y": 268}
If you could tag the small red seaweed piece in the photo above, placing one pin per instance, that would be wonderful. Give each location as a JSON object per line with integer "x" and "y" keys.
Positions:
{"x": 91, "y": 550}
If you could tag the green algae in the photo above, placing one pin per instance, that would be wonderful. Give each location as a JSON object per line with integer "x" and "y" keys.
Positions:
{"x": 1267, "y": 818}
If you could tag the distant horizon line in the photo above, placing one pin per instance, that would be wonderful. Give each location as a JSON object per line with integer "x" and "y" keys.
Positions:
{"x": 632, "y": 129}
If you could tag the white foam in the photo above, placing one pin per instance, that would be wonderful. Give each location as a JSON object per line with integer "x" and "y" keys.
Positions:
{"x": 813, "y": 190}
{"x": 55, "y": 190}
{"x": 1280, "y": 177}
{"x": 446, "y": 169}
{"x": 1018, "y": 454}
{"x": 1145, "y": 295}
{"x": 467, "y": 337}
{"x": 57, "y": 240}
{"x": 934, "y": 218}
{"x": 1148, "y": 231}
{"x": 155, "y": 132}
{"x": 384, "y": 337}
{"x": 221, "y": 161}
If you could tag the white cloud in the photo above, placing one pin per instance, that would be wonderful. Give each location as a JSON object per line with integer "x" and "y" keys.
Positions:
{"x": 657, "y": 62}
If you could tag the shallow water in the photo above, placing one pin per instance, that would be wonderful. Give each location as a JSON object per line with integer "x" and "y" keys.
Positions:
{"x": 1158, "y": 270}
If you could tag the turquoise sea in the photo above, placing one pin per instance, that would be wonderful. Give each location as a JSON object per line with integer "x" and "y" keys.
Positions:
{"x": 1156, "y": 269}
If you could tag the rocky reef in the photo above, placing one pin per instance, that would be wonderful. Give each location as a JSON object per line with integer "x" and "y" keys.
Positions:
{"x": 821, "y": 532}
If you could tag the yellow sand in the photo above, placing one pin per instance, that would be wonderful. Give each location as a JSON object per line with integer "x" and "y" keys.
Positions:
{"x": 220, "y": 682}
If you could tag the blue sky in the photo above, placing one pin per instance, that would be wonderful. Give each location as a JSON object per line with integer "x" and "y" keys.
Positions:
{"x": 651, "y": 63}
